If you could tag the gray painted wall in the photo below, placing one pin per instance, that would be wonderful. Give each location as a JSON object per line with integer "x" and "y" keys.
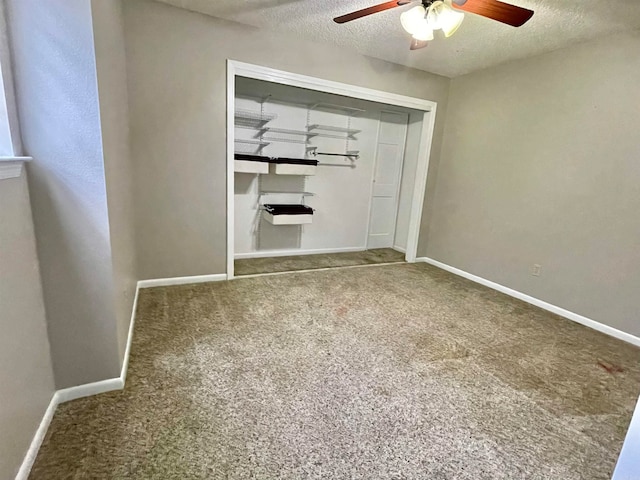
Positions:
{"x": 56, "y": 86}
{"x": 540, "y": 165}
{"x": 26, "y": 374}
{"x": 176, "y": 68}
{"x": 108, "y": 34}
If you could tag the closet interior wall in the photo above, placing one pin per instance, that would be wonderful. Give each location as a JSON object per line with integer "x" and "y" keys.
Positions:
{"x": 341, "y": 187}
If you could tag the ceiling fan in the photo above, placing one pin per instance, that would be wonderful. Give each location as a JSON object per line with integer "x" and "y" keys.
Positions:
{"x": 446, "y": 15}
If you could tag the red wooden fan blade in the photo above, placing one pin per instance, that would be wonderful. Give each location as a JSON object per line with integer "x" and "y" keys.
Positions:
{"x": 416, "y": 44}
{"x": 495, "y": 10}
{"x": 369, "y": 11}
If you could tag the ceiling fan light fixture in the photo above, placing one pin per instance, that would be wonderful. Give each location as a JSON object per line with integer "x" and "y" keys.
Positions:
{"x": 450, "y": 20}
{"x": 433, "y": 14}
{"x": 413, "y": 20}
{"x": 424, "y": 34}
{"x": 441, "y": 16}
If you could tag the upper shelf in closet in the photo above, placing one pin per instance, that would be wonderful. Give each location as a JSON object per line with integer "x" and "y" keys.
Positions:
{"x": 288, "y": 131}
{"x": 333, "y": 107}
{"x": 330, "y": 128}
{"x": 251, "y": 119}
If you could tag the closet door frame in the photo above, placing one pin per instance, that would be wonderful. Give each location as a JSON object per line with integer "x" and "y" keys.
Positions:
{"x": 241, "y": 69}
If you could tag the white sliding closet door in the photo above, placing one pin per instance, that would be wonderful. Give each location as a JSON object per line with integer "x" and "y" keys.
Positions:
{"x": 386, "y": 179}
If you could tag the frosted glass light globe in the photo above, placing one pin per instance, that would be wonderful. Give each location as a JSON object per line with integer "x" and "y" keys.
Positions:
{"x": 412, "y": 20}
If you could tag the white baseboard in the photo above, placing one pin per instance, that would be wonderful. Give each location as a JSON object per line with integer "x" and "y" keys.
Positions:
{"x": 165, "y": 282}
{"x": 73, "y": 393}
{"x": 36, "y": 442}
{"x": 601, "y": 327}
{"x": 400, "y": 249}
{"x": 88, "y": 389}
{"x": 61, "y": 396}
{"x": 127, "y": 350}
{"x": 292, "y": 252}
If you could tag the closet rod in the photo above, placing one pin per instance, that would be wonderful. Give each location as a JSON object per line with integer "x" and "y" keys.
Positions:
{"x": 348, "y": 155}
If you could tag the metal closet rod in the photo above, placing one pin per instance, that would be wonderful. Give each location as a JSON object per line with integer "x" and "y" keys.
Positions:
{"x": 348, "y": 155}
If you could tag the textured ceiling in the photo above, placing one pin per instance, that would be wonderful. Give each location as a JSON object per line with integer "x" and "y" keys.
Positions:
{"x": 478, "y": 44}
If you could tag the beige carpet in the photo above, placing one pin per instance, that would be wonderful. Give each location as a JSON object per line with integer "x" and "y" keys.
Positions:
{"x": 251, "y": 266}
{"x": 390, "y": 372}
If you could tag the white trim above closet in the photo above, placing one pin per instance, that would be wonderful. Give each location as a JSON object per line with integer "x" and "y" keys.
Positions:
{"x": 239, "y": 69}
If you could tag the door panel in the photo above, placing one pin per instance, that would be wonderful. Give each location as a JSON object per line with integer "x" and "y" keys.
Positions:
{"x": 386, "y": 179}
{"x": 388, "y": 163}
{"x": 381, "y": 223}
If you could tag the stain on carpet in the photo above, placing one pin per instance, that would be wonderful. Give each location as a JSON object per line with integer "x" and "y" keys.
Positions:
{"x": 393, "y": 372}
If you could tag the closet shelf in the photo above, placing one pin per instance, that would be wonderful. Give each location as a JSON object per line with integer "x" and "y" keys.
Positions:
{"x": 329, "y": 128}
{"x": 287, "y": 214}
{"x": 285, "y": 131}
{"x": 251, "y": 142}
{"x": 293, "y": 166}
{"x": 304, "y": 194}
{"x": 341, "y": 108}
{"x": 248, "y": 166}
{"x": 245, "y": 163}
{"x": 275, "y": 160}
{"x": 302, "y": 133}
{"x": 248, "y": 163}
{"x": 247, "y": 157}
{"x": 288, "y": 131}
{"x": 285, "y": 140}
{"x": 249, "y": 118}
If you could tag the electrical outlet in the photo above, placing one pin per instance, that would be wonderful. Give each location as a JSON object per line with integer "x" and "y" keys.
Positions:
{"x": 536, "y": 270}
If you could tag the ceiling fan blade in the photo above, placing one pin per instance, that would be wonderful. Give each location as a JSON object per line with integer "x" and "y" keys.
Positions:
{"x": 370, "y": 11}
{"x": 495, "y": 10}
{"x": 417, "y": 44}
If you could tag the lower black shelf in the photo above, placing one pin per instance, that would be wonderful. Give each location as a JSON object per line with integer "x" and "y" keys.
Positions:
{"x": 288, "y": 209}
{"x": 247, "y": 163}
{"x": 287, "y": 214}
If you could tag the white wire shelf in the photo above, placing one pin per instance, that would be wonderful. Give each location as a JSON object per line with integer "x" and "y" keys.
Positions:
{"x": 285, "y": 140}
{"x": 284, "y": 131}
{"x": 304, "y": 194}
{"x": 252, "y": 119}
{"x": 330, "y": 128}
{"x": 341, "y": 108}
{"x": 252, "y": 142}
{"x": 249, "y": 146}
{"x": 289, "y": 131}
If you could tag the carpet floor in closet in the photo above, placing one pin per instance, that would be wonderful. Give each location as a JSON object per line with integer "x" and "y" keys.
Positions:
{"x": 384, "y": 372}
{"x": 252, "y": 266}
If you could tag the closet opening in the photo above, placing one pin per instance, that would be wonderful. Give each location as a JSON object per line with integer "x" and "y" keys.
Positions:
{"x": 321, "y": 174}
